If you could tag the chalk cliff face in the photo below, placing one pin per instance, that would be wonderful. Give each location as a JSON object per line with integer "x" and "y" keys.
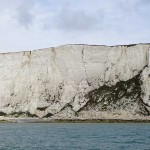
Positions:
{"x": 76, "y": 81}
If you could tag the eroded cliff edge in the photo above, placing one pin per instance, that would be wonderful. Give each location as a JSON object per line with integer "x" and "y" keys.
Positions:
{"x": 76, "y": 82}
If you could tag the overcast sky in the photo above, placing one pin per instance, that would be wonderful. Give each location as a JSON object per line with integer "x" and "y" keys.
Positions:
{"x": 34, "y": 24}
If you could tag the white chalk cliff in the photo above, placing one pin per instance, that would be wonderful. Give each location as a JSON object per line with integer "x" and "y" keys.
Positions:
{"x": 76, "y": 81}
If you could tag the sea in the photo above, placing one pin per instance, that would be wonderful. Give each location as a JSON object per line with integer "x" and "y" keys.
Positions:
{"x": 74, "y": 136}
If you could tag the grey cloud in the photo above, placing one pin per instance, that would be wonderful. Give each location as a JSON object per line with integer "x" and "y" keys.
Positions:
{"x": 70, "y": 19}
{"x": 24, "y": 15}
{"x": 144, "y": 1}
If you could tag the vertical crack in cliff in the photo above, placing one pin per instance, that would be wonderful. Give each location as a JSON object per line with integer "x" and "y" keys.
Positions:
{"x": 84, "y": 62}
{"x": 53, "y": 57}
{"x": 148, "y": 57}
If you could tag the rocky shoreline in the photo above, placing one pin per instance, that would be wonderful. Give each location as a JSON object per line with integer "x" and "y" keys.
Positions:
{"x": 37, "y": 120}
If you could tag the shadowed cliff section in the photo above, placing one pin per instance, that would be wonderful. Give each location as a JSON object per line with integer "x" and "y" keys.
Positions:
{"x": 125, "y": 95}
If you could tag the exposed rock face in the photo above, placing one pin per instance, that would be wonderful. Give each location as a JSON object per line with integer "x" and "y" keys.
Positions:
{"x": 76, "y": 81}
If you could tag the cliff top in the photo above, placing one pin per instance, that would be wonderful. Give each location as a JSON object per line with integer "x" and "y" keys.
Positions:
{"x": 128, "y": 45}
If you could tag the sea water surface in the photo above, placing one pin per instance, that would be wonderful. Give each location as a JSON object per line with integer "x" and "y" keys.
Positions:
{"x": 74, "y": 136}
